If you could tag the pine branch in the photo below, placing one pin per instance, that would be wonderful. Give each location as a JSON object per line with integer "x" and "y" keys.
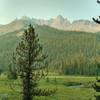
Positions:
{"x": 97, "y": 20}
{"x": 98, "y": 1}
{"x": 44, "y": 92}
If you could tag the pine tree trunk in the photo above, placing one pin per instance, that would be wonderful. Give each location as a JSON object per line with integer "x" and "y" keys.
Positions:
{"x": 27, "y": 88}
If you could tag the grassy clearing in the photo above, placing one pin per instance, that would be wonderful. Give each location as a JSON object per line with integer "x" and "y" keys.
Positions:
{"x": 68, "y": 88}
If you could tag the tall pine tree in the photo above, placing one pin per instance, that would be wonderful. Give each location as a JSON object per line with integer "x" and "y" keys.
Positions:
{"x": 30, "y": 64}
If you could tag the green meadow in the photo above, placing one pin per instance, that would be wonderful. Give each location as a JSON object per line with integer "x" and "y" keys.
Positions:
{"x": 67, "y": 88}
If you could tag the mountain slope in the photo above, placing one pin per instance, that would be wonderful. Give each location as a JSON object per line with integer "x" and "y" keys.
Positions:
{"x": 66, "y": 50}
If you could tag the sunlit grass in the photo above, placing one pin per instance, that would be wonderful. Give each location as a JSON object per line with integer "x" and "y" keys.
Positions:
{"x": 63, "y": 92}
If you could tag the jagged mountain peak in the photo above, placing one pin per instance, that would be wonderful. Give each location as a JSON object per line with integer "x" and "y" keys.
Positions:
{"x": 59, "y": 22}
{"x": 25, "y": 18}
{"x": 59, "y": 17}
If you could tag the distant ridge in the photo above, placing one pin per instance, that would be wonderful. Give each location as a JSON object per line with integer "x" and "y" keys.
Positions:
{"x": 59, "y": 22}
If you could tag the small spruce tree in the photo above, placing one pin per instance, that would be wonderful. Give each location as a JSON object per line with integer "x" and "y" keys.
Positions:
{"x": 96, "y": 85}
{"x": 12, "y": 74}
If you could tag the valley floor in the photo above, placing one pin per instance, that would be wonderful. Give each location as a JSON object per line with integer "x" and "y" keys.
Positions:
{"x": 68, "y": 88}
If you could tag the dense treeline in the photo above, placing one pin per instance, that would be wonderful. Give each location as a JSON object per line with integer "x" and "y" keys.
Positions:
{"x": 73, "y": 53}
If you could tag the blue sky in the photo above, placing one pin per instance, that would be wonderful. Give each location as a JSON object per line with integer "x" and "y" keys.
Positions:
{"x": 72, "y": 9}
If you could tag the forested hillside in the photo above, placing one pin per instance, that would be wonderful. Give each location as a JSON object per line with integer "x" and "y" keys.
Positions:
{"x": 68, "y": 52}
